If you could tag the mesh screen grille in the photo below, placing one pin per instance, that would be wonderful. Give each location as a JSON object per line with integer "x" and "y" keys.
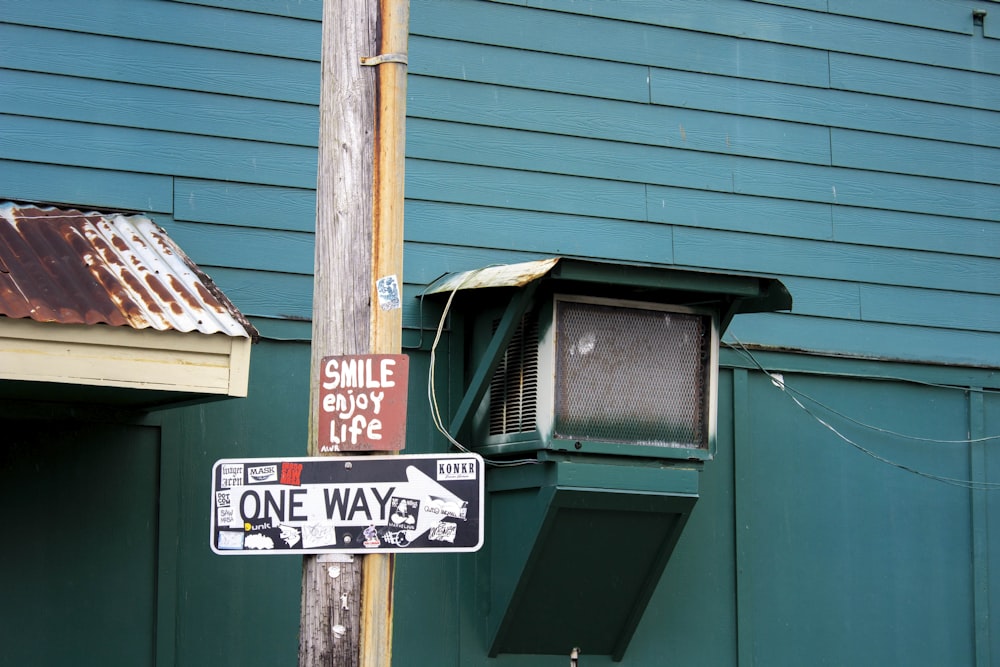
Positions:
{"x": 631, "y": 375}
{"x": 514, "y": 386}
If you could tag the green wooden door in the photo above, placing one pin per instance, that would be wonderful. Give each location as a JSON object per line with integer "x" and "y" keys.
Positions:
{"x": 79, "y": 503}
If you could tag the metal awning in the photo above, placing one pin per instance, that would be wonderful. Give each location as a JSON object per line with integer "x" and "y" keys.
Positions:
{"x": 109, "y": 300}
{"x": 740, "y": 293}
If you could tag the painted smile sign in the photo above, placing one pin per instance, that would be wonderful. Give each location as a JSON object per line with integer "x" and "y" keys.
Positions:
{"x": 362, "y": 403}
{"x": 419, "y": 503}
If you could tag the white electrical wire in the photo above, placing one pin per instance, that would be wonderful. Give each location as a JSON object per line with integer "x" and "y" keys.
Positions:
{"x": 779, "y": 382}
{"x": 432, "y": 393}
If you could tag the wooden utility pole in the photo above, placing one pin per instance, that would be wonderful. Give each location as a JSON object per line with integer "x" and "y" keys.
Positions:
{"x": 346, "y": 615}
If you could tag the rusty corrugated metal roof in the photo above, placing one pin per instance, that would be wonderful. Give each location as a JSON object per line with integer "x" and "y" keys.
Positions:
{"x": 67, "y": 266}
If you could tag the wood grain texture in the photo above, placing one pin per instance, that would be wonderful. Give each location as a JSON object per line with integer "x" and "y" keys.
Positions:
{"x": 648, "y": 125}
{"x": 152, "y": 151}
{"x": 910, "y": 80}
{"x": 245, "y": 204}
{"x": 638, "y": 42}
{"x": 160, "y": 64}
{"x": 303, "y": 9}
{"x": 822, "y": 31}
{"x": 523, "y": 190}
{"x": 919, "y": 157}
{"x": 535, "y": 231}
{"x": 243, "y": 247}
{"x": 633, "y": 164}
{"x": 466, "y": 61}
{"x": 868, "y": 340}
{"x": 176, "y": 23}
{"x": 96, "y": 188}
{"x": 155, "y": 108}
{"x": 829, "y": 107}
{"x": 342, "y": 288}
{"x": 817, "y": 259}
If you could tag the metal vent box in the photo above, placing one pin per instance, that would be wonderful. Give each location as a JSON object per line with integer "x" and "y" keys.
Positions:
{"x": 608, "y": 376}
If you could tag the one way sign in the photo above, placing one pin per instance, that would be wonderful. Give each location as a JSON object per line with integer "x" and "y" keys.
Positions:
{"x": 419, "y": 503}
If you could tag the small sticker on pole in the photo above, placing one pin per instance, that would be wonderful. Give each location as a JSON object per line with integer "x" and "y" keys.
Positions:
{"x": 388, "y": 293}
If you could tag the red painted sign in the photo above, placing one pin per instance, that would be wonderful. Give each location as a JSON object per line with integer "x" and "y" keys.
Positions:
{"x": 362, "y": 403}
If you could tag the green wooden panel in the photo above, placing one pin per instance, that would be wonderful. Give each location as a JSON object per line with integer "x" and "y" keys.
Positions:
{"x": 825, "y": 298}
{"x": 991, "y": 472}
{"x": 84, "y": 557}
{"x": 155, "y": 108}
{"x": 526, "y": 69}
{"x": 552, "y": 234}
{"x": 157, "y": 64}
{"x": 280, "y": 296}
{"x": 809, "y": 29}
{"x": 283, "y": 330}
{"x": 920, "y": 232}
{"x": 691, "y": 617}
{"x": 175, "y": 23}
{"x": 762, "y": 215}
{"x": 593, "y": 158}
{"x": 837, "y": 108}
{"x": 952, "y": 16}
{"x": 509, "y": 188}
{"x": 617, "y": 41}
{"x": 96, "y": 188}
{"x": 937, "y": 308}
{"x": 868, "y": 340}
{"x": 854, "y": 561}
{"x": 243, "y": 247}
{"x": 645, "y": 124}
{"x": 814, "y": 5}
{"x": 921, "y": 157}
{"x": 914, "y": 81}
{"x": 267, "y": 207}
{"x": 151, "y": 151}
{"x": 836, "y": 261}
{"x": 870, "y": 189}
{"x": 237, "y": 611}
{"x": 991, "y": 29}
{"x": 303, "y": 9}
{"x": 427, "y": 606}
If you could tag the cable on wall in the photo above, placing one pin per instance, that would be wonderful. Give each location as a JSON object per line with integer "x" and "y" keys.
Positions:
{"x": 778, "y": 381}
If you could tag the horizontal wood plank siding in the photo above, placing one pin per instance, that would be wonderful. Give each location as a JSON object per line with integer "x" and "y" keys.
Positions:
{"x": 848, "y": 148}
{"x": 155, "y": 21}
{"x": 158, "y": 64}
{"x": 813, "y": 141}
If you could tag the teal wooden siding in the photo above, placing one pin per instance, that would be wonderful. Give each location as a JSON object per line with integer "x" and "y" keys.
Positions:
{"x": 201, "y": 114}
{"x": 848, "y": 150}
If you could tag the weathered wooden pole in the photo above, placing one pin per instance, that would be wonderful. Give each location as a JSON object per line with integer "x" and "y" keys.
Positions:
{"x": 346, "y": 614}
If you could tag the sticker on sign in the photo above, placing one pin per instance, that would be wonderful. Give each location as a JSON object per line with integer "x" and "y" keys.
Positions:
{"x": 418, "y": 503}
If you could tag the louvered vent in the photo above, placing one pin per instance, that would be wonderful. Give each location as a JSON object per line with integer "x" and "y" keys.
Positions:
{"x": 632, "y": 375}
{"x": 514, "y": 388}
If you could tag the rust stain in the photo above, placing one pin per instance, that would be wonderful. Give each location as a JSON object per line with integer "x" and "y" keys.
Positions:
{"x": 67, "y": 266}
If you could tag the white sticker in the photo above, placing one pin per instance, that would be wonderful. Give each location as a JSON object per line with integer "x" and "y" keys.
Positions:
{"x": 388, "y": 293}
{"x": 227, "y": 517}
{"x": 262, "y": 474}
{"x": 257, "y": 541}
{"x": 454, "y": 469}
{"x": 318, "y": 535}
{"x": 232, "y": 475}
{"x": 230, "y": 539}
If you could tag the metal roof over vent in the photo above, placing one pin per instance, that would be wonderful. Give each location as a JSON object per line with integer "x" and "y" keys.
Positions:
{"x": 106, "y": 299}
